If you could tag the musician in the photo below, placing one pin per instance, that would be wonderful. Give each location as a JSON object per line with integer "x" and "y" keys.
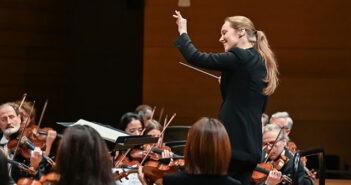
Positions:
{"x": 10, "y": 123}
{"x": 145, "y": 111}
{"x": 207, "y": 156}
{"x": 270, "y": 133}
{"x": 132, "y": 123}
{"x": 25, "y": 110}
{"x": 283, "y": 120}
{"x": 82, "y": 158}
{"x": 249, "y": 76}
{"x": 153, "y": 128}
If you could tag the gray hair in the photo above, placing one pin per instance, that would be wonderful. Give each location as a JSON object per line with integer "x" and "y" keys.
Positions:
{"x": 271, "y": 127}
{"x": 13, "y": 105}
{"x": 265, "y": 118}
{"x": 289, "y": 122}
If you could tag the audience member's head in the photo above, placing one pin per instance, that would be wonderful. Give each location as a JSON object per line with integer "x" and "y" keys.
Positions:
{"x": 207, "y": 149}
{"x": 83, "y": 158}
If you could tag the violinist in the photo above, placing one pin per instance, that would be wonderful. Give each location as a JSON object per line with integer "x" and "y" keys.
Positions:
{"x": 277, "y": 153}
{"x": 207, "y": 156}
{"x": 310, "y": 175}
{"x": 10, "y": 123}
{"x": 24, "y": 111}
{"x": 132, "y": 123}
{"x": 145, "y": 111}
{"x": 153, "y": 128}
{"x": 82, "y": 158}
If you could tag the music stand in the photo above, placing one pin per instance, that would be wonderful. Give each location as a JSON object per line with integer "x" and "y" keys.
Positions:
{"x": 125, "y": 142}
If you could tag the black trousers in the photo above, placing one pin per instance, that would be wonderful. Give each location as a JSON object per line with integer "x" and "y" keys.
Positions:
{"x": 241, "y": 171}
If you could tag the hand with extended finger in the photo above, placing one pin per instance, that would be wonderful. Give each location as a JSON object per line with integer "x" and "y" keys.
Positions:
{"x": 181, "y": 22}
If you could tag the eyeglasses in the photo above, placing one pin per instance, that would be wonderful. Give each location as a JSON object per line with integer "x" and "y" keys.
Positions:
{"x": 270, "y": 144}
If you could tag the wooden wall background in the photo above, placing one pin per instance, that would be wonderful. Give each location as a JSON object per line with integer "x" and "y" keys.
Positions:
{"x": 311, "y": 40}
{"x": 84, "y": 56}
{"x": 33, "y": 53}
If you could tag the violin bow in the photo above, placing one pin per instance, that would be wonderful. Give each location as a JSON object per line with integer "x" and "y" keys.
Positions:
{"x": 25, "y": 126}
{"x": 164, "y": 126}
{"x": 153, "y": 145}
{"x": 124, "y": 156}
{"x": 209, "y": 74}
{"x": 153, "y": 112}
{"x": 22, "y": 101}
{"x": 276, "y": 140}
{"x": 161, "y": 114}
{"x": 21, "y": 135}
{"x": 42, "y": 112}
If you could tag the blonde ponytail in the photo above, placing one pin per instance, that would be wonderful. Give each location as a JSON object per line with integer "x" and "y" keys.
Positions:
{"x": 259, "y": 40}
{"x": 270, "y": 62}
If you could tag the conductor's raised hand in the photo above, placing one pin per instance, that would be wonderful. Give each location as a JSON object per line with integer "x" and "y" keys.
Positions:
{"x": 181, "y": 22}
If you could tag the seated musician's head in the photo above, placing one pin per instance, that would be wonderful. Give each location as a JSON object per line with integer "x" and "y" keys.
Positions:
{"x": 132, "y": 123}
{"x": 207, "y": 149}
{"x": 145, "y": 111}
{"x": 270, "y": 133}
{"x": 283, "y": 120}
{"x": 25, "y": 110}
{"x": 10, "y": 119}
{"x": 83, "y": 158}
{"x": 153, "y": 128}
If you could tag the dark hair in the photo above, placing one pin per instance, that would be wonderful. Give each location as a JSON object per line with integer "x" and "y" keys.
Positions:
{"x": 207, "y": 149}
{"x": 4, "y": 173}
{"x": 127, "y": 118}
{"x": 83, "y": 158}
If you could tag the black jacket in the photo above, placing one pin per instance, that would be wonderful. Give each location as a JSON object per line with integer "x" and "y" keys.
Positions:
{"x": 242, "y": 85}
{"x": 182, "y": 178}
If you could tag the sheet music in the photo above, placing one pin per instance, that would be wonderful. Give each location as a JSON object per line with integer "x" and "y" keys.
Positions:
{"x": 105, "y": 132}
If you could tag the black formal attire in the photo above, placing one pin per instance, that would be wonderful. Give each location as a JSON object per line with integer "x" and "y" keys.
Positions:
{"x": 243, "y": 71}
{"x": 183, "y": 178}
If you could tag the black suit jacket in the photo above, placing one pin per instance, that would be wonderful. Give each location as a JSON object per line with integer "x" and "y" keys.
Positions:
{"x": 242, "y": 85}
{"x": 182, "y": 178}
{"x": 288, "y": 169}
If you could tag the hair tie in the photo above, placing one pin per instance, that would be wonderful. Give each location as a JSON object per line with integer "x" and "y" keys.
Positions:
{"x": 255, "y": 32}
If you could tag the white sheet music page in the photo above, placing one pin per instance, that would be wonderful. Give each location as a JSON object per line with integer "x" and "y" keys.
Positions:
{"x": 105, "y": 132}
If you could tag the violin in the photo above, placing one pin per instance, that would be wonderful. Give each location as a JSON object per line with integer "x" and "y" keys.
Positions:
{"x": 125, "y": 162}
{"x": 19, "y": 165}
{"x": 154, "y": 171}
{"x": 25, "y": 145}
{"x": 48, "y": 179}
{"x": 261, "y": 172}
{"x": 28, "y": 181}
